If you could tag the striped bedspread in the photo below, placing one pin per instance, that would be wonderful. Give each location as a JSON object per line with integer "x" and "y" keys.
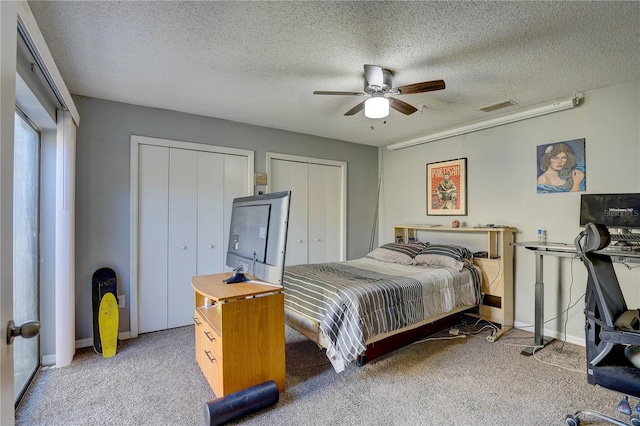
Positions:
{"x": 359, "y": 299}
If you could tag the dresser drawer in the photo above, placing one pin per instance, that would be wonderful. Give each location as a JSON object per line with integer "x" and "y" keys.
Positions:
{"x": 212, "y": 369}
{"x": 199, "y": 338}
{"x": 208, "y": 353}
{"x": 211, "y": 340}
{"x": 206, "y": 335}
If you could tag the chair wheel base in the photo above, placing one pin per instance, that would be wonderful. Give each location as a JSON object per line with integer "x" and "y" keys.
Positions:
{"x": 571, "y": 420}
{"x": 574, "y": 420}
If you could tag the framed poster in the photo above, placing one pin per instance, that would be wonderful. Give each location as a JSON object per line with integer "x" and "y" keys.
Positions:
{"x": 447, "y": 188}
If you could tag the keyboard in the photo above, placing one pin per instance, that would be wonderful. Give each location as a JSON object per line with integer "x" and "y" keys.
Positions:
{"x": 625, "y": 237}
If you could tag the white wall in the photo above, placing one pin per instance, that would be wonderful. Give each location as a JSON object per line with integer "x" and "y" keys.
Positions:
{"x": 501, "y": 172}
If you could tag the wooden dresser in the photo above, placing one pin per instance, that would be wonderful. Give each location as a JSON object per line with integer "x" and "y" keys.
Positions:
{"x": 240, "y": 338}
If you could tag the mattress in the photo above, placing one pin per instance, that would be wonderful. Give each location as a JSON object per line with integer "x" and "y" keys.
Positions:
{"x": 352, "y": 302}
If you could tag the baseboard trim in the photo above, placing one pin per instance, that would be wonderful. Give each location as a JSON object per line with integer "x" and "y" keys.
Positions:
{"x": 85, "y": 343}
{"x": 552, "y": 333}
{"x": 50, "y": 360}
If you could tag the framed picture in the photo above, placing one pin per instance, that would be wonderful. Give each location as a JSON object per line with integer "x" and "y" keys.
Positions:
{"x": 447, "y": 188}
{"x": 561, "y": 167}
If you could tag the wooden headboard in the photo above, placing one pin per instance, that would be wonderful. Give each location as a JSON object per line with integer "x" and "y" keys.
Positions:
{"x": 496, "y": 268}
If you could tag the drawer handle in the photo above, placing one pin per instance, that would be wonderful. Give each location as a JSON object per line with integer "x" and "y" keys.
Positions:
{"x": 209, "y": 336}
{"x": 207, "y": 353}
{"x": 196, "y": 321}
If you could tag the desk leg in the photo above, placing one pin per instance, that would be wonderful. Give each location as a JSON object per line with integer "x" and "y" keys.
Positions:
{"x": 539, "y": 340}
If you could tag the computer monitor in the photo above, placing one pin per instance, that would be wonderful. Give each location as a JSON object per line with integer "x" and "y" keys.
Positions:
{"x": 620, "y": 211}
{"x": 258, "y": 237}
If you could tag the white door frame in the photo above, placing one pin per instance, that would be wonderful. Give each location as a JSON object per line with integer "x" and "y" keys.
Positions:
{"x": 136, "y": 141}
{"x": 343, "y": 189}
{"x": 8, "y": 43}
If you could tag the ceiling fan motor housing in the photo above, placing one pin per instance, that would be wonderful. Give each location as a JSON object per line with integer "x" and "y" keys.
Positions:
{"x": 387, "y": 84}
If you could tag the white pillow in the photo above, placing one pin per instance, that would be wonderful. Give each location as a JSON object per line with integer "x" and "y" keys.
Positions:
{"x": 397, "y": 252}
{"x": 437, "y": 260}
{"x": 448, "y": 255}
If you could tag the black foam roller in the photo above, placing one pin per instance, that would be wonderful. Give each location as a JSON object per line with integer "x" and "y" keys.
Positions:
{"x": 235, "y": 405}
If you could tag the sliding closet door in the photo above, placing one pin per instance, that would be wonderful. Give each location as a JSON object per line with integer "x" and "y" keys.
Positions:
{"x": 183, "y": 216}
{"x": 153, "y": 221}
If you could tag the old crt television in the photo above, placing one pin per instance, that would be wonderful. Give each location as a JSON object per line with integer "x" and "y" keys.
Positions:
{"x": 620, "y": 211}
{"x": 258, "y": 237}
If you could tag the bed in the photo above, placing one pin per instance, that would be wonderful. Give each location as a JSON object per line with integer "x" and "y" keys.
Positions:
{"x": 364, "y": 308}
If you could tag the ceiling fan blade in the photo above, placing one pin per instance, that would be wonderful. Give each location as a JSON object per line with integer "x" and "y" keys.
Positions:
{"x": 356, "y": 109}
{"x": 373, "y": 75}
{"x": 426, "y": 86}
{"x": 322, "y": 92}
{"x": 401, "y": 106}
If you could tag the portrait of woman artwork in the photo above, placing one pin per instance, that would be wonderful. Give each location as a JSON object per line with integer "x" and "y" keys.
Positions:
{"x": 561, "y": 167}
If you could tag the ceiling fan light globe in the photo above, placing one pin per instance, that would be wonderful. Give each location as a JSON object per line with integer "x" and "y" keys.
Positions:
{"x": 377, "y": 107}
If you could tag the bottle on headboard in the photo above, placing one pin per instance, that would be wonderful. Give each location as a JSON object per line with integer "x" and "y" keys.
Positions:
{"x": 542, "y": 236}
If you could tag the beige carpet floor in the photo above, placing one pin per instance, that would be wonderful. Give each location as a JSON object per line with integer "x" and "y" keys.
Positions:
{"x": 153, "y": 380}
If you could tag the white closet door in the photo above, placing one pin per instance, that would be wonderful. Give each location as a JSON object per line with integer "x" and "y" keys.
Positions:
{"x": 153, "y": 205}
{"x": 211, "y": 247}
{"x": 182, "y": 194}
{"x": 325, "y": 205}
{"x": 183, "y": 216}
{"x": 293, "y": 176}
{"x": 235, "y": 185}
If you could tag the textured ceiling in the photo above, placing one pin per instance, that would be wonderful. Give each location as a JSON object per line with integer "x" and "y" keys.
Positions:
{"x": 259, "y": 62}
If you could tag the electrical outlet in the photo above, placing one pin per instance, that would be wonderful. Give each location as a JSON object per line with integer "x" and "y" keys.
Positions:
{"x": 121, "y": 301}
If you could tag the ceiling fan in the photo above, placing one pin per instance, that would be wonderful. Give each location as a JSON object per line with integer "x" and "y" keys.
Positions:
{"x": 378, "y": 85}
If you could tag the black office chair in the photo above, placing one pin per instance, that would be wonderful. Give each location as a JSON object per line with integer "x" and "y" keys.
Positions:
{"x": 610, "y": 327}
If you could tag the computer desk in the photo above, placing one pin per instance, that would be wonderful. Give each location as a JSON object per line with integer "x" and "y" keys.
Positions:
{"x": 561, "y": 250}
